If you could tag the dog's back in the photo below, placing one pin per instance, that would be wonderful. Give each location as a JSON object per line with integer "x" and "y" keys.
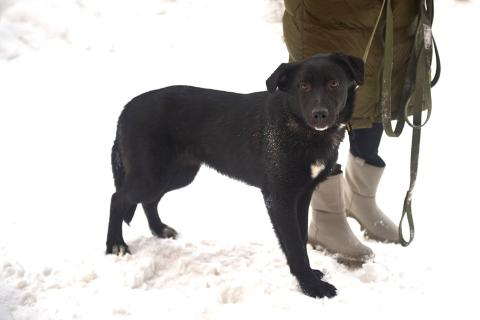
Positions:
{"x": 194, "y": 125}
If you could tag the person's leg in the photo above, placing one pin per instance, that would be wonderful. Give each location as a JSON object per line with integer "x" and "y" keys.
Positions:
{"x": 364, "y": 144}
{"x": 363, "y": 172}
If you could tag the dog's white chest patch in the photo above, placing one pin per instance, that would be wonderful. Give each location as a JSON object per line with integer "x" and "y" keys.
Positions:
{"x": 316, "y": 168}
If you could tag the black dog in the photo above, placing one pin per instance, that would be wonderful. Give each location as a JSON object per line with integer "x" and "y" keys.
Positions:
{"x": 282, "y": 141}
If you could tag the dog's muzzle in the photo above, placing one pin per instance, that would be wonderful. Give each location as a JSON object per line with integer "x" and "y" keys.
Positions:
{"x": 320, "y": 119}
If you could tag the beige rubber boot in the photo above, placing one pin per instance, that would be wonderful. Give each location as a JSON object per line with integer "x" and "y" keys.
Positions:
{"x": 329, "y": 228}
{"x": 360, "y": 190}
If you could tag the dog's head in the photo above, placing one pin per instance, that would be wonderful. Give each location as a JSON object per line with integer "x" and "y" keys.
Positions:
{"x": 323, "y": 87}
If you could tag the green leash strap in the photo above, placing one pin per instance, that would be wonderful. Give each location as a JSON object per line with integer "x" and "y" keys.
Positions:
{"x": 369, "y": 44}
{"x": 420, "y": 99}
{"x": 415, "y": 93}
{"x": 386, "y": 80}
{"x": 385, "y": 102}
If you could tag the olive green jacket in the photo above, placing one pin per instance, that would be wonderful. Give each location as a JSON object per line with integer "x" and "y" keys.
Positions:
{"x": 314, "y": 26}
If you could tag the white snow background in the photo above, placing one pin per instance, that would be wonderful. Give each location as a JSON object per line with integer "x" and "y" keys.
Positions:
{"x": 66, "y": 70}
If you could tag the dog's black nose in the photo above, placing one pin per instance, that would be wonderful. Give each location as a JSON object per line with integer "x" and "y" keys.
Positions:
{"x": 320, "y": 114}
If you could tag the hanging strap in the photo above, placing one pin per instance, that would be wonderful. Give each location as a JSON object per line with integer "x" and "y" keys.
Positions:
{"x": 369, "y": 43}
{"x": 415, "y": 92}
{"x": 420, "y": 99}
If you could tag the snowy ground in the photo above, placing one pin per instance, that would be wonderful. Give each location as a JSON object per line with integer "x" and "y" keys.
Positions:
{"x": 67, "y": 68}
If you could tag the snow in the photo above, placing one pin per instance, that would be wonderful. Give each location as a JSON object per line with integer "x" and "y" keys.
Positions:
{"x": 67, "y": 68}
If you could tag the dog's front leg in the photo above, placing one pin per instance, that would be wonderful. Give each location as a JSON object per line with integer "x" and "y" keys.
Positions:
{"x": 303, "y": 204}
{"x": 282, "y": 209}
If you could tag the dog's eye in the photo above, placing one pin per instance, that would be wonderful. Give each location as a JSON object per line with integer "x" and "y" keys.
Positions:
{"x": 305, "y": 86}
{"x": 333, "y": 84}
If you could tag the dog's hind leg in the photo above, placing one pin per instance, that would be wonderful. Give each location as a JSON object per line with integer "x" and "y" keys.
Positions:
{"x": 119, "y": 208}
{"x": 156, "y": 225}
{"x": 181, "y": 177}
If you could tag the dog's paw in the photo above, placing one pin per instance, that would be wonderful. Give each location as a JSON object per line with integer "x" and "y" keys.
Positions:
{"x": 165, "y": 232}
{"x": 169, "y": 232}
{"x": 319, "y": 289}
{"x": 119, "y": 249}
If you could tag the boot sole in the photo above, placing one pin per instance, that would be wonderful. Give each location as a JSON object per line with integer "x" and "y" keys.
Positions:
{"x": 348, "y": 261}
{"x": 367, "y": 234}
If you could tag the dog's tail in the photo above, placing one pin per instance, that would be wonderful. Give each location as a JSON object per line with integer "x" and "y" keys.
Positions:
{"x": 118, "y": 170}
{"x": 117, "y": 165}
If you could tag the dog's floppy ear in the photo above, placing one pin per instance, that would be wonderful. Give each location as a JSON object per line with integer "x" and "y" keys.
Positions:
{"x": 353, "y": 64}
{"x": 282, "y": 77}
